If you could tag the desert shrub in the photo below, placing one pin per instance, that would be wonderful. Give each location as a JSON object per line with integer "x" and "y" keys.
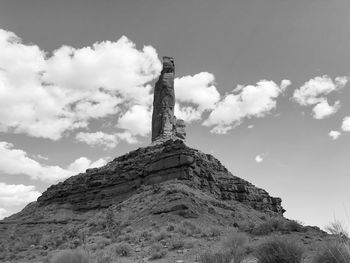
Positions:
{"x": 102, "y": 242}
{"x": 268, "y": 227}
{"x": 33, "y": 238}
{"x": 189, "y": 244}
{"x": 176, "y": 243}
{"x": 235, "y": 245}
{"x": 170, "y": 228}
{"x": 162, "y": 235}
{"x": 293, "y": 226}
{"x": 337, "y": 228}
{"x": 19, "y": 246}
{"x": 113, "y": 227}
{"x": 338, "y": 252}
{"x": 71, "y": 256}
{"x": 121, "y": 249}
{"x": 146, "y": 235}
{"x": 189, "y": 225}
{"x": 181, "y": 229}
{"x": 128, "y": 229}
{"x": 157, "y": 251}
{"x": 214, "y": 232}
{"x": 280, "y": 250}
{"x": 217, "y": 257}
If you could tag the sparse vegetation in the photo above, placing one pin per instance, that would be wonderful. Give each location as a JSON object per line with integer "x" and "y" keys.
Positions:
{"x": 338, "y": 229}
{"x": 71, "y": 256}
{"x": 339, "y": 252}
{"x": 157, "y": 251}
{"x": 176, "y": 243}
{"x": 276, "y": 224}
{"x": 162, "y": 235}
{"x": 280, "y": 250}
{"x": 216, "y": 257}
{"x": 235, "y": 245}
{"x": 214, "y": 232}
{"x": 122, "y": 249}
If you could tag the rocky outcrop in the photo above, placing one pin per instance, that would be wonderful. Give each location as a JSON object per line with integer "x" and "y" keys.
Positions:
{"x": 164, "y": 123}
{"x": 171, "y": 160}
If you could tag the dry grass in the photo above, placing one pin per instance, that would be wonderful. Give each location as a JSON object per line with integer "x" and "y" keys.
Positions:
{"x": 235, "y": 244}
{"x": 122, "y": 249}
{"x": 217, "y": 257}
{"x": 280, "y": 250}
{"x": 338, "y": 252}
{"x": 71, "y": 256}
{"x": 157, "y": 251}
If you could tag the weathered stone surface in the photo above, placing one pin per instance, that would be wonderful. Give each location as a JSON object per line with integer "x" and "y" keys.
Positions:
{"x": 180, "y": 129}
{"x": 163, "y": 120}
{"x": 164, "y": 123}
{"x": 171, "y": 160}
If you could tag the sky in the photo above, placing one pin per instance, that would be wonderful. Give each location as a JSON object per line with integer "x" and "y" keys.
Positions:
{"x": 262, "y": 85}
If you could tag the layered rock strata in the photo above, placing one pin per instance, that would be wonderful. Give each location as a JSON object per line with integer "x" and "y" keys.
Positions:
{"x": 171, "y": 160}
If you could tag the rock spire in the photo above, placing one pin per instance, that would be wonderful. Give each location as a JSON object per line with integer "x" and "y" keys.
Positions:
{"x": 164, "y": 123}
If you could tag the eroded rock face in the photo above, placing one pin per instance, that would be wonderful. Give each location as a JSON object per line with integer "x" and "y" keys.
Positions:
{"x": 171, "y": 160}
{"x": 164, "y": 123}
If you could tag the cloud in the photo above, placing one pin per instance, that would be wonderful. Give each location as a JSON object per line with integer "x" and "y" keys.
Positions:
{"x": 334, "y": 134}
{"x": 83, "y": 163}
{"x": 104, "y": 139}
{"x": 48, "y": 96}
{"x": 259, "y": 159}
{"x": 314, "y": 92}
{"x": 346, "y": 124}
{"x": 14, "y": 196}
{"x": 137, "y": 120}
{"x": 244, "y": 102}
{"x": 194, "y": 95}
{"x": 98, "y": 138}
{"x": 323, "y": 109}
{"x": 16, "y": 161}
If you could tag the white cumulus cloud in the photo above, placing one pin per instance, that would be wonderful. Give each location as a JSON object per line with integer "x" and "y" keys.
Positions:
{"x": 334, "y": 134}
{"x": 194, "y": 95}
{"x": 346, "y": 124}
{"x": 16, "y": 161}
{"x": 137, "y": 120}
{"x": 323, "y": 109}
{"x": 244, "y": 102}
{"x": 314, "y": 92}
{"x": 14, "y": 196}
{"x": 47, "y": 96}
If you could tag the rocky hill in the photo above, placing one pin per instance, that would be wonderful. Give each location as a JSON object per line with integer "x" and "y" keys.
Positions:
{"x": 166, "y": 201}
{"x": 171, "y": 160}
{"x": 165, "y": 189}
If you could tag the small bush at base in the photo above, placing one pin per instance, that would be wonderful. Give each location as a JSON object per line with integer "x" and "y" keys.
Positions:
{"x": 157, "y": 252}
{"x": 176, "y": 243}
{"x": 122, "y": 249}
{"x": 334, "y": 253}
{"x": 235, "y": 245}
{"x": 218, "y": 257}
{"x": 279, "y": 250}
{"x": 71, "y": 256}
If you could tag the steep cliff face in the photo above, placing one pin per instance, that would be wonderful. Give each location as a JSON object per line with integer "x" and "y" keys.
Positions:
{"x": 171, "y": 160}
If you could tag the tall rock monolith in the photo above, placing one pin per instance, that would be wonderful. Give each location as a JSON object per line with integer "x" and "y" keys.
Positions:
{"x": 164, "y": 123}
